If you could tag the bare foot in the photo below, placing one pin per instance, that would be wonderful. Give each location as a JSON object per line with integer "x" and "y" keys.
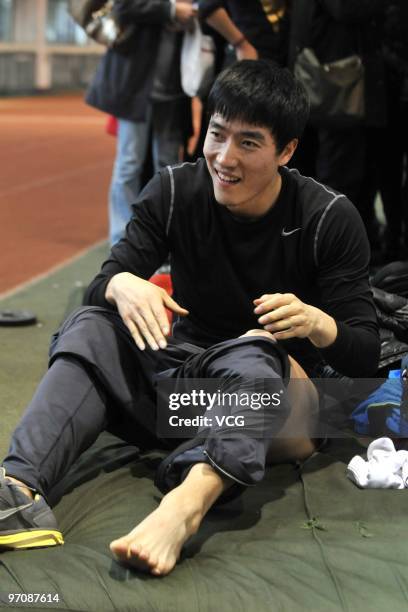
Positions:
{"x": 155, "y": 544}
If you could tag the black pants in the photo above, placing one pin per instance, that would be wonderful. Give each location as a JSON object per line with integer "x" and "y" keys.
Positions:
{"x": 341, "y": 160}
{"x": 98, "y": 379}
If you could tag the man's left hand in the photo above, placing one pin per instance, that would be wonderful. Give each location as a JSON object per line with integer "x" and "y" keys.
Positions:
{"x": 286, "y": 316}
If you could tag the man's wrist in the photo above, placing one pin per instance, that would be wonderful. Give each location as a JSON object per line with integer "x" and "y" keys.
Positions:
{"x": 325, "y": 330}
{"x": 109, "y": 291}
{"x": 239, "y": 42}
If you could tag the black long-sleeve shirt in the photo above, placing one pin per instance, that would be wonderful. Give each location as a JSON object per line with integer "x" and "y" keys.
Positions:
{"x": 220, "y": 263}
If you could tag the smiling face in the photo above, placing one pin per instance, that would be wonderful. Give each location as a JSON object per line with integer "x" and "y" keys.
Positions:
{"x": 244, "y": 165}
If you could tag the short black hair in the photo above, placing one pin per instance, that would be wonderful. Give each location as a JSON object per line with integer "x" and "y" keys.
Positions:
{"x": 261, "y": 93}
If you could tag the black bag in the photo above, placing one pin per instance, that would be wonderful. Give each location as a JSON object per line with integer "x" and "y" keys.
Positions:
{"x": 98, "y": 20}
{"x": 392, "y": 351}
{"x": 392, "y": 278}
{"x": 335, "y": 89}
{"x": 392, "y": 312}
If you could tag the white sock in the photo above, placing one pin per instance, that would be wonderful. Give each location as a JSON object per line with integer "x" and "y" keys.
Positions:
{"x": 384, "y": 468}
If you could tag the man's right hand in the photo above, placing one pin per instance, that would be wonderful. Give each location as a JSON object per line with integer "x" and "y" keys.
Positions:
{"x": 142, "y": 306}
{"x": 246, "y": 51}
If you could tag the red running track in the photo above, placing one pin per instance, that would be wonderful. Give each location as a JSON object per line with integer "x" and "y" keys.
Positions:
{"x": 55, "y": 166}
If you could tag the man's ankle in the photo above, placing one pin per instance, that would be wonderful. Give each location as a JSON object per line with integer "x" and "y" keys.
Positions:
{"x": 24, "y": 488}
{"x": 203, "y": 486}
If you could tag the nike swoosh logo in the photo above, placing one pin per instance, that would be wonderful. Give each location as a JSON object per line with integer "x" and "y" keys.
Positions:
{"x": 284, "y": 233}
{"x": 4, "y": 514}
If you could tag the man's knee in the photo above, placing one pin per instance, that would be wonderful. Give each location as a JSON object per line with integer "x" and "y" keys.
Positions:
{"x": 250, "y": 357}
{"x": 89, "y": 330}
{"x": 95, "y": 315}
{"x": 259, "y": 332}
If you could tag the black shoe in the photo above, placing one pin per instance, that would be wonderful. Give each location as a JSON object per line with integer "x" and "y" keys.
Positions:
{"x": 25, "y": 522}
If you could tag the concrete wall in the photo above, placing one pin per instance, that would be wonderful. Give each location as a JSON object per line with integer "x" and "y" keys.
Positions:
{"x": 29, "y": 63}
{"x": 17, "y": 72}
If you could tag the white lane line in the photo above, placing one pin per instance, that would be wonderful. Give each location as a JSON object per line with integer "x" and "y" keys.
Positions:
{"x": 36, "y": 279}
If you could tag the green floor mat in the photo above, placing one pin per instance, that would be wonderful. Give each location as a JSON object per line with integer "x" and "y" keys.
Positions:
{"x": 305, "y": 539}
{"x": 23, "y": 354}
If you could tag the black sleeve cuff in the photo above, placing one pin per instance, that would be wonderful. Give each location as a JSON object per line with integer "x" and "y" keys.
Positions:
{"x": 95, "y": 295}
{"x": 354, "y": 353}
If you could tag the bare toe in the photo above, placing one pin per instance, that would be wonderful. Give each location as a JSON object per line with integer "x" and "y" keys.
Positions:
{"x": 119, "y": 548}
{"x": 162, "y": 568}
{"x": 138, "y": 552}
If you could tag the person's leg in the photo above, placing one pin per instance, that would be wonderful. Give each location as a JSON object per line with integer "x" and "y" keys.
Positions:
{"x": 155, "y": 543}
{"x": 168, "y": 132}
{"x": 369, "y": 185}
{"x": 165, "y": 151}
{"x": 65, "y": 416}
{"x": 97, "y": 378}
{"x": 296, "y": 440}
{"x": 391, "y": 167}
{"x": 341, "y": 158}
{"x": 237, "y": 438}
{"x": 132, "y": 147}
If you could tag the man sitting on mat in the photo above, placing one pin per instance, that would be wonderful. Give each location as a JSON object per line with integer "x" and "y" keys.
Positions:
{"x": 253, "y": 245}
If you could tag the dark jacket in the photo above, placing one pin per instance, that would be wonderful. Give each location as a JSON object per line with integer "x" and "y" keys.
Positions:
{"x": 124, "y": 78}
{"x": 336, "y": 29}
{"x": 396, "y": 39}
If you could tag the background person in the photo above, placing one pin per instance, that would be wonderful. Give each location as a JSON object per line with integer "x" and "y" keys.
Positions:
{"x": 140, "y": 85}
{"x": 254, "y": 29}
{"x": 337, "y": 30}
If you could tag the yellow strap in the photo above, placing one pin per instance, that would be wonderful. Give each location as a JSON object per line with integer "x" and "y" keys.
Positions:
{"x": 32, "y": 539}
